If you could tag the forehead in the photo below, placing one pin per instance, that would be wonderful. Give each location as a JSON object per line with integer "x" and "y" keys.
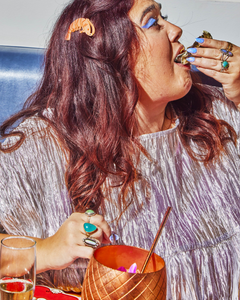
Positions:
{"x": 140, "y": 7}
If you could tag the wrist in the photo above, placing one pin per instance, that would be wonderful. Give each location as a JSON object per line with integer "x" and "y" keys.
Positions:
{"x": 42, "y": 262}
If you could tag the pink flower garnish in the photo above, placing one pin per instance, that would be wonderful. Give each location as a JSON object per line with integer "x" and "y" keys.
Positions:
{"x": 122, "y": 269}
{"x": 132, "y": 269}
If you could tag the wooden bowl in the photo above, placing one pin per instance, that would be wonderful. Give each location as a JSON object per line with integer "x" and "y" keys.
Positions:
{"x": 104, "y": 281}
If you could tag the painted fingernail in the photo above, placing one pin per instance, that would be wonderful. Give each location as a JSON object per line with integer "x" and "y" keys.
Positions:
{"x": 190, "y": 59}
{"x": 199, "y": 40}
{"x": 114, "y": 238}
{"x": 192, "y": 50}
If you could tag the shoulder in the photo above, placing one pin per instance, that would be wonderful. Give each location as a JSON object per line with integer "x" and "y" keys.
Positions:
{"x": 40, "y": 145}
{"x": 221, "y": 105}
{"x": 34, "y": 130}
{"x": 224, "y": 109}
{"x": 32, "y": 127}
{"x": 32, "y": 183}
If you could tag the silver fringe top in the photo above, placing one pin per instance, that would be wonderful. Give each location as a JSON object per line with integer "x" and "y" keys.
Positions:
{"x": 201, "y": 240}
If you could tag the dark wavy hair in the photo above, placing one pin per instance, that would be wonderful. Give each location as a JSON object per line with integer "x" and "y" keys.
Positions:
{"x": 89, "y": 84}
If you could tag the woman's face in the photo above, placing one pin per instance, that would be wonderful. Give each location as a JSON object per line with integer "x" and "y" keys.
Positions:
{"x": 161, "y": 79}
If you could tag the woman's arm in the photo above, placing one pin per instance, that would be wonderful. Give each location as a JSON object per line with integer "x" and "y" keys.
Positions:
{"x": 66, "y": 245}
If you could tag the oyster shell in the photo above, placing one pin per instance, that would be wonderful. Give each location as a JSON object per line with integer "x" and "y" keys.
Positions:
{"x": 181, "y": 58}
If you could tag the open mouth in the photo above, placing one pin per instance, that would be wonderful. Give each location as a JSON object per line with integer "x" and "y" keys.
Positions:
{"x": 182, "y": 57}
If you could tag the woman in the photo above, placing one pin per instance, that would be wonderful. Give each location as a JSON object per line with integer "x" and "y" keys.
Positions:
{"x": 117, "y": 127}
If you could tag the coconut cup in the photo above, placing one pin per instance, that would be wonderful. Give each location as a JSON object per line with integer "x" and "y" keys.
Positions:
{"x": 104, "y": 281}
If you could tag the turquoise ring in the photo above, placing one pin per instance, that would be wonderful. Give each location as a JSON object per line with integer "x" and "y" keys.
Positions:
{"x": 226, "y": 53}
{"x": 225, "y": 65}
{"x": 89, "y": 228}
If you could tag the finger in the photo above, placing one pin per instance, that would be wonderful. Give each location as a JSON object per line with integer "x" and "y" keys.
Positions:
{"x": 216, "y": 65}
{"x": 206, "y": 63}
{"x": 96, "y": 220}
{"x": 212, "y": 43}
{"x": 98, "y": 234}
{"x": 100, "y": 222}
{"x": 214, "y": 74}
{"x": 83, "y": 252}
{"x": 206, "y": 53}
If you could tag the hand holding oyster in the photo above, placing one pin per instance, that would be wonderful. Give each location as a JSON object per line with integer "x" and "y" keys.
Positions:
{"x": 181, "y": 58}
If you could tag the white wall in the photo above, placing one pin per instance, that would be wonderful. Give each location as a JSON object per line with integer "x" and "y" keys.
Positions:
{"x": 221, "y": 18}
{"x": 29, "y": 22}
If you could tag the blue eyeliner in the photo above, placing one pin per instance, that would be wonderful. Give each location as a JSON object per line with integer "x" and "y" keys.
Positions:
{"x": 150, "y": 22}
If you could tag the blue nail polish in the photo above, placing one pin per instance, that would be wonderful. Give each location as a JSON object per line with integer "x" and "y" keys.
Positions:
{"x": 199, "y": 40}
{"x": 192, "y": 50}
{"x": 190, "y": 59}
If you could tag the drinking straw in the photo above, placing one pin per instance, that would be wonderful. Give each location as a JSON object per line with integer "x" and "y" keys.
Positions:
{"x": 156, "y": 238}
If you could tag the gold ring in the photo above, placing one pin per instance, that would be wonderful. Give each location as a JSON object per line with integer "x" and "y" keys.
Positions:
{"x": 230, "y": 46}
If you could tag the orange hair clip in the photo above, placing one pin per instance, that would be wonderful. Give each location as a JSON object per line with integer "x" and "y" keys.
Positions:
{"x": 83, "y": 25}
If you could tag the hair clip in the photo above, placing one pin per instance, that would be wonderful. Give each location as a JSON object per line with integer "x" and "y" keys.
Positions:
{"x": 83, "y": 25}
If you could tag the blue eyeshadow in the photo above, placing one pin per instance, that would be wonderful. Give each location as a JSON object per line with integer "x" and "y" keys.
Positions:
{"x": 150, "y": 22}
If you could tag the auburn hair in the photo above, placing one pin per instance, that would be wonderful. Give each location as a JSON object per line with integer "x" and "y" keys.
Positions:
{"x": 89, "y": 85}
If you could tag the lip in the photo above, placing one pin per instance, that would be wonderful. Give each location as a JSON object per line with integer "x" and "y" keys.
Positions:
{"x": 181, "y": 49}
{"x": 181, "y": 56}
{"x": 188, "y": 66}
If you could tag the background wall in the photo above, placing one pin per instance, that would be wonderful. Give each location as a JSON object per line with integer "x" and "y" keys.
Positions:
{"x": 220, "y": 18}
{"x": 29, "y": 22}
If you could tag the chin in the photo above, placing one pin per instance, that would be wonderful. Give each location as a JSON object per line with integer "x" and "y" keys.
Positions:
{"x": 186, "y": 87}
{"x": 183, "y": 92}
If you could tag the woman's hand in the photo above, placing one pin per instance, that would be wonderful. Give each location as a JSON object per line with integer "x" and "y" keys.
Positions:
{"x": 60, "y": 250}
{"x": 209, "y": 61}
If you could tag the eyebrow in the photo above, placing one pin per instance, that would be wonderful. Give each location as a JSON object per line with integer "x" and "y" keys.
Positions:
{"x": 149, "y": 9}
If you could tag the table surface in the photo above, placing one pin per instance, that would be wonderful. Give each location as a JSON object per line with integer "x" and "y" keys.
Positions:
{"x": 46, "y": 293}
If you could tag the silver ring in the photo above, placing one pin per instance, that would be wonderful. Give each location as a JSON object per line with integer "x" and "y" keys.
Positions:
{"x": 226, "y": 54}
{"x": 90, "y": 213}
{"x": 90, "y": 242}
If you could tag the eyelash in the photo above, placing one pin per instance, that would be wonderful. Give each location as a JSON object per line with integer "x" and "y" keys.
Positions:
{"x": 164, "y": 17}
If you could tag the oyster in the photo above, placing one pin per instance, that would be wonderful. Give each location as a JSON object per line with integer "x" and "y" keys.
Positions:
{"x": 182, "y": 57}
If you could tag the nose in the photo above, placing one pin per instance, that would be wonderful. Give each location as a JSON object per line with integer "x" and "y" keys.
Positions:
{"x": 174, "y": 32}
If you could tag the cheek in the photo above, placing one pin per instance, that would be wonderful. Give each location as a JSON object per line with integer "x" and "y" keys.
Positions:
{"x": 155, "y": 52}
{"x": 154, "y": 66}
{"x": 160, "y": 62}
